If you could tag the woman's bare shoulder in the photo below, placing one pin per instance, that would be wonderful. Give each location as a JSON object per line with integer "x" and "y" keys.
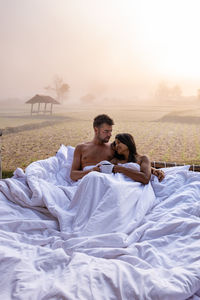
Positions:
{"x": 142, "y": 158}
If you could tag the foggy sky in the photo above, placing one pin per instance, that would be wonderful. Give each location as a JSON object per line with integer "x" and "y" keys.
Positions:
{"x": 106, "y": 47}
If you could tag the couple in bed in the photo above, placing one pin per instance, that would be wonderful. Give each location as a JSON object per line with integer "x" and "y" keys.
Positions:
{"x": 87, "y": 156}
{"x": 109, "y": 203}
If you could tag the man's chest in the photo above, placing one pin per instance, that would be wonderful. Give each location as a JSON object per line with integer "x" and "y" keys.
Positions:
{"x": 96, "y": 154}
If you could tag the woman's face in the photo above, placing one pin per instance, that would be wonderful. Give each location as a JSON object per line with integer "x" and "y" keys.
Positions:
{"x": 120, "y": 147}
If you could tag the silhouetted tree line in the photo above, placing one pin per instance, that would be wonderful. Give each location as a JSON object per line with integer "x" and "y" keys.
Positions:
{"x": 166, "y": 93}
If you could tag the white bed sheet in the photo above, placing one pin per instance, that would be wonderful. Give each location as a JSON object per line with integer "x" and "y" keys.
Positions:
{"x": 68, "y": 240}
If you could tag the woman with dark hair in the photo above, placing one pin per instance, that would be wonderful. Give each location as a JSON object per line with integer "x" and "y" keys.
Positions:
{"x": 128, "y": 162}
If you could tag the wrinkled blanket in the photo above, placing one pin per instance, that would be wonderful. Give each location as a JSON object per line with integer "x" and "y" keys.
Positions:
{"x": 102, "y": 237}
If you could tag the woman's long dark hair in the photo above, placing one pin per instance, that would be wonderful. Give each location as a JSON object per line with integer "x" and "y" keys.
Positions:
{"x": 128, "y": 140}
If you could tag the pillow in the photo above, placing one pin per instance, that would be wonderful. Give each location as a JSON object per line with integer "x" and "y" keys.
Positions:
{"x": 175, "y": 177}
{"x": 66, "y": 153}
{"x": 55, "y": 169}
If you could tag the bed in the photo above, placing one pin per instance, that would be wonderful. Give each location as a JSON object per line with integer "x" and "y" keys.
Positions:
{"x": 44, "y": 255}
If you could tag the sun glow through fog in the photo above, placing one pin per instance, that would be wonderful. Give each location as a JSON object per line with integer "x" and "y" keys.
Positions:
{"x": 99, "y": 46}
{"x": 170, "y": 36}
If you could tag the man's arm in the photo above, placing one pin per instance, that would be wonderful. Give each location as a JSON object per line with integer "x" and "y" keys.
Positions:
{"x": 76, "y": 170}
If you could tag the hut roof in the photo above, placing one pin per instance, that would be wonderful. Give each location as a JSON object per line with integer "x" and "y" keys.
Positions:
{"x": 42, "y": 99}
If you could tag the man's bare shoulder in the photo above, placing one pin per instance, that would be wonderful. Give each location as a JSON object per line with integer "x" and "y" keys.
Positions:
{"x": 82, "y": 146}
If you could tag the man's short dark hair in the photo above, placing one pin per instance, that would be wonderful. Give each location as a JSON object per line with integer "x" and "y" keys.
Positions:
{"x": 101, "y": 119}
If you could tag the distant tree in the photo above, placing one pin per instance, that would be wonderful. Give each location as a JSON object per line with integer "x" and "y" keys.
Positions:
{"x": 164, "y": 92}
{"x": 175, "y": 92}
{"x": 88, "y": 98}
{"x": 59, "y": 87}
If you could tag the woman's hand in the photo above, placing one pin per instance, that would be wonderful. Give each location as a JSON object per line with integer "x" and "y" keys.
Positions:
{"x": 159, "y": 173}
{"x": 116, "y": 169}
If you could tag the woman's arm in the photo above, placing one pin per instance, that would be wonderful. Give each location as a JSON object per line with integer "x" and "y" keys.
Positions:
{"x": 142, "y": 176}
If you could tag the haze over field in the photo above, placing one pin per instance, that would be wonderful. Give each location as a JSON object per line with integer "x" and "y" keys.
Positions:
{"x": 105, "y": 48}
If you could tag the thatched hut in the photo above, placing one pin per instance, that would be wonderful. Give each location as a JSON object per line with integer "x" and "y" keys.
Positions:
{"x": 39, "y": 99}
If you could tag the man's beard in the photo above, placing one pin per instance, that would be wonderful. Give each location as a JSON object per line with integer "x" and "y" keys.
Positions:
{"x": 104, "y": 140}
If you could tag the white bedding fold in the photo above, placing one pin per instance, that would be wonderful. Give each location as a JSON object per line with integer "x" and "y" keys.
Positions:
{"x": 104, "y": 237}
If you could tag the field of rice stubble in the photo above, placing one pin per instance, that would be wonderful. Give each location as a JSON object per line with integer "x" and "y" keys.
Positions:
{"x": 162, "y": 141}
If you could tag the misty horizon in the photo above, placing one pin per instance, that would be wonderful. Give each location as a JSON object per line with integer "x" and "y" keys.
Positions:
{"x": 109, "y": 49}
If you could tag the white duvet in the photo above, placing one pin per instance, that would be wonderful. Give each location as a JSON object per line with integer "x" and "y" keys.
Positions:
{"x": 103, "y": 237}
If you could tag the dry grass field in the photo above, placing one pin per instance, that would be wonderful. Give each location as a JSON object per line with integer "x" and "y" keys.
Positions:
{"x": 163, "y": 140}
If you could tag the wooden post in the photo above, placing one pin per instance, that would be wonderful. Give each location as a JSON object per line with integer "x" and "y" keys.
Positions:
{"x": 31, "y": 108}
{"x": 38, "y": 107}
{"x": 0, "y": 155}
{"x": 51, "y": 107}
{"x": 45, "y": 107}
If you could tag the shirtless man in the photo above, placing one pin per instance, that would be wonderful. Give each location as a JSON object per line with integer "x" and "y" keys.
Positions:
{"x": 91, "y": 153}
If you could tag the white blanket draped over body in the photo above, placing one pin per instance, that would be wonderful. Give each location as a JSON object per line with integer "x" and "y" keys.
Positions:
{"x": 103, "y": 237}
{"x": 106, "y": 203}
